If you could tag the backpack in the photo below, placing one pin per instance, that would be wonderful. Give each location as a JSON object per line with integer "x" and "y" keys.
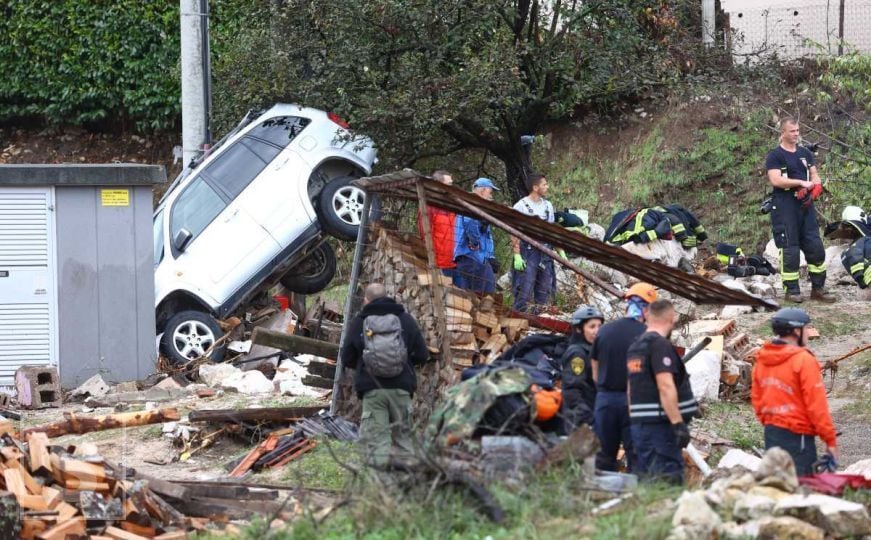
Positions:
{"x": 384, "y": 351}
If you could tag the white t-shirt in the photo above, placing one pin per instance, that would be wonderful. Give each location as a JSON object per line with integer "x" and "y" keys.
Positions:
{"x": 542, "y": 209}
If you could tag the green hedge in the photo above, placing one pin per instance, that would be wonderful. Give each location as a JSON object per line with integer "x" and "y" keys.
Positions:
{"x": 84, "y": 61}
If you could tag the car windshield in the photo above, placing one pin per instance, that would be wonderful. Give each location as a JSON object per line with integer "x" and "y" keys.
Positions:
{"x": 158, "y": 238}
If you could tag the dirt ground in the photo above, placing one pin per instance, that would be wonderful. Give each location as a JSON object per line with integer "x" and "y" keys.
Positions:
{"x": 148, "y": 450}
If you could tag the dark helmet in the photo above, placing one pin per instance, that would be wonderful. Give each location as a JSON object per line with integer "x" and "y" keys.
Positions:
{"x": 788, "y": 319}
{"x": 585, "y": 313}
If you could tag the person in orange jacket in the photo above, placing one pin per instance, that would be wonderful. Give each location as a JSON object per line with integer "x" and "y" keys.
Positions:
{"x": 788, "y": 394}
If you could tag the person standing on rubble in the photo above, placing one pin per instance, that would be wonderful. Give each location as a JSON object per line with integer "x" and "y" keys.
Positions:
{"x": 661, "y": 401}
{"x": 578, "y": 387}
{"x": 793, "y": 175}
{"x": 788, "y": 394}
{"x": 608, "y": 363}
{"x": 473, "y": 247}
{"x": 383, "y": 345}
{"x": 441, "y": 224}
{"x": 534, "y": 276}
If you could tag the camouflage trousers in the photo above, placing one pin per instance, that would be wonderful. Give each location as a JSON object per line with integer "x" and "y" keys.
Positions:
{"x": 385, "y": 423}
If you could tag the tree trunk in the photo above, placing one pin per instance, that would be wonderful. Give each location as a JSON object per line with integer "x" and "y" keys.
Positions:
{"x": 518, "y": 167}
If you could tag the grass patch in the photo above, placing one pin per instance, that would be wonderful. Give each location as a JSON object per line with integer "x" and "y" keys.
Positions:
{"x": 319, "y": 469}
{"x": 834, "y": 326}
{"x": 860, "y": 407}
{"x": 733, "y": 421}
{"x": 545, "y": 506}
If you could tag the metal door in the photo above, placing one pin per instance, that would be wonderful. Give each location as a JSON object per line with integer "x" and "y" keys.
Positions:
{"x": 27, "y": 280}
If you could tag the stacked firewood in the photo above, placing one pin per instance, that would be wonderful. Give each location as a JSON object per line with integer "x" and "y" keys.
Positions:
{"x": 478, "y": 328}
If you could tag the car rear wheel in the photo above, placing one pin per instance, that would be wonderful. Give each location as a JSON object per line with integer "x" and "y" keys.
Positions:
{"x": 188, "y": 335}
{"x": 314, "y": 272}
{"x": 340, "y": 208}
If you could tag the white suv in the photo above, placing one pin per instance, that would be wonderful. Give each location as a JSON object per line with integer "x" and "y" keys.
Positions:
{"x": 251, "y": 213}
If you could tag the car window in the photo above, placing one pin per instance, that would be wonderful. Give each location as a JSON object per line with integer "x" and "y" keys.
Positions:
{"x": 158, "y": 238}
{"x": 280, "y": 130}
{"x": 195, "y": 208}
{"x": 237, "y": 166}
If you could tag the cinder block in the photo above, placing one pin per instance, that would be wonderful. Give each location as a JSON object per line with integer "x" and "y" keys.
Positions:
{"x": 38, "y": 387}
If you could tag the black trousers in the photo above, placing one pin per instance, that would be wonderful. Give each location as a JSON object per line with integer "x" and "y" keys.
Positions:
{"x": 795, "y": 229}
{"x": 802, "y": 448}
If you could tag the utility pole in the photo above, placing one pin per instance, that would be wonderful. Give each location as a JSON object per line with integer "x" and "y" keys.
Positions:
{"x": 709, "y": 25}
{"x": 195, "y": 78}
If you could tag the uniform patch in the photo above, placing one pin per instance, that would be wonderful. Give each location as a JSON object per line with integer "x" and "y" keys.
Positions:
{"x": 634, "y": 365}
{"x": 666, "y": 361}
{"x": 577, "y": 365}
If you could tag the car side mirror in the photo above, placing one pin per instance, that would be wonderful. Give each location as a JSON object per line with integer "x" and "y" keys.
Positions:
{"x": 182, "y": 239}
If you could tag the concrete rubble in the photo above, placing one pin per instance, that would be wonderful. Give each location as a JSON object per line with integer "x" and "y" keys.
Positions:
{"x": 93, "y": 387}
{"x": 248, "y": 382}
{"x": 765, "y": 503}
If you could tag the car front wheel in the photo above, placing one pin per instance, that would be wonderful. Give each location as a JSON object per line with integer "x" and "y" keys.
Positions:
{"x": 340, "y": 208}
{"x": 188, "y": 335}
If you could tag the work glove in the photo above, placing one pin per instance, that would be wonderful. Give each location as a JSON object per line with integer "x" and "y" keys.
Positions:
{"x": 562, "y": 253}
{"x": 519, "y": 263}
{"x": 681, "y": 434}
{"x": 494, "y": 264}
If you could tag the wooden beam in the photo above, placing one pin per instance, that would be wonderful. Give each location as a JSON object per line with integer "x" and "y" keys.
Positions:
{"x": 264, "y": 414}
{"x": 294, "y": 344}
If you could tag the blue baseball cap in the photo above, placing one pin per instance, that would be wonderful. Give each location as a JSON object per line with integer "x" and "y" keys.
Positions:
{"x": 485, "y": 182}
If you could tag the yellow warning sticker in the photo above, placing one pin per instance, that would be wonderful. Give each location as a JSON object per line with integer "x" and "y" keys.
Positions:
{"x": 115, "y": 197}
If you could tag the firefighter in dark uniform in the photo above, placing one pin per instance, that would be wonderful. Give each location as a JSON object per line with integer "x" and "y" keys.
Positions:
{"x": 661, "y": 401}
{"x": 578, "y": 387}
{"x": 792, "y": 172}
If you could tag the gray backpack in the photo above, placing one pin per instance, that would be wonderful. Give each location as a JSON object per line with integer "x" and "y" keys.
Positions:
{"x": 384, "y": 352}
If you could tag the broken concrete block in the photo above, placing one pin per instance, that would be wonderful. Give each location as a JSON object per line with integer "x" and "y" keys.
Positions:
{"x": 752, "y": 506}
{"x": 734, "y": 531}
{"x": 692, "y": 510}
{"x": 769, "y": 492}
{"x": 777, "y": 470}
{"x": 126, "y": 386}
{"x": 862, "y": 468}
{"x": 788, "y": 528}
{"x": 835, "y": 271}
{"x": 836, "y": 516}
{"x": 248, "y": 382}
{"x": 508, "y": 455}
{"x": 597, "y": 232}
{"x": 733, "y": 312}
{"x": 168, "y": 383}
{"x": 94, "y": 387}
{"x": 735, "y": 458}
{"x": 213, "y": 374}
{"x": 38, "y": 387}
{"x": 735, "y": 285}
{"x": 704, "y": 371}
{"x": 295, "y": 387}
{"x": 762, "y": 289}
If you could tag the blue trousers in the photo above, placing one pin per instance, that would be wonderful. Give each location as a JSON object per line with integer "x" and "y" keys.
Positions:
{"x": 796, "y": 229}
{"x": 611, "y": 423}
{"x": 802, "y": 448}
{"x": 659, "y": 456}
{"x": 474, "y": 276}
{"x": 537, "y": 282}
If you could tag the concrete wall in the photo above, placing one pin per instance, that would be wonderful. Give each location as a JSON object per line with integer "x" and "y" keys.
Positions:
{"x": 105, "y": 285}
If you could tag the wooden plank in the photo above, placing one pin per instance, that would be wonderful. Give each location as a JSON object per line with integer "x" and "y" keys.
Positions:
{"x": 32, "y": 502}
{"x": 271, "y": 414}
{"x": 82, "y": 470}
{"x": 51, "y": 496}
{"x": 163, "y": 487}
{"x": 85, "y": 485}
{"x": 15, "y": 483}
{"x": 71, "y": 527}
{"x": 121, "y": 534}
{"x": 40, "y": 463}
{"x": 140, "y": 531}
{"x": 65, "y": 511}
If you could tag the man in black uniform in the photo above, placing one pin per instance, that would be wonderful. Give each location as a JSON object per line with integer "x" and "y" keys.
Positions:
{"x": 792, "y": 172}
{"x": 608, "y": 363}
{"x": 661, "y": 400}
{"x": 579, "y": 390}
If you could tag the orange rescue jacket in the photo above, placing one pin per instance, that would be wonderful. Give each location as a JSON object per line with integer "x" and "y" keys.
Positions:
{"x": 788, "y": 392}
{"x": 442, "y": 224}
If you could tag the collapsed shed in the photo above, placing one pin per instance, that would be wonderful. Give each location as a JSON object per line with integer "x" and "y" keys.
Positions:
{"x": 394, "y": 246}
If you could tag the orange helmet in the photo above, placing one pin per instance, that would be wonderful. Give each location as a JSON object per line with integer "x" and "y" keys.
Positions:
{"x": 547, "y": 403}
{"x": 642, "y": 290}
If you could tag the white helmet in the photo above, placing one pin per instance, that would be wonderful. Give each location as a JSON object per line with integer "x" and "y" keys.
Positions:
{"x": 853, "y": 213}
